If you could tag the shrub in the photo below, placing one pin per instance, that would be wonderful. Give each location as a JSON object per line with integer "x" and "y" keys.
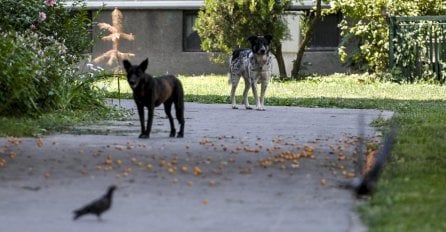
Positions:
{"x": 365, "y": 24}
{"x": 42, "y": 43}
{"x": 69, "y": 25}
{"x": 225, "y": 25}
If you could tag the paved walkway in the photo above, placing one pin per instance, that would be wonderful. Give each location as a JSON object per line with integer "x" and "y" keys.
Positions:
{"x": 235, "y": 170}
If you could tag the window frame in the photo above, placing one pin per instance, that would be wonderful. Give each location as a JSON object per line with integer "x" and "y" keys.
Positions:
{"x": 316, "y": 47}
{"x": 189, "y": 46}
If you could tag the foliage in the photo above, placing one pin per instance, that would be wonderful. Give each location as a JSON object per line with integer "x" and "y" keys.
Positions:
{"x": 28, "y": 71}
{"x": 225, "y": 25}
{"x": 68, "y": 25}
{"x": 365, "y": 28}
{"x": 42, "y": 44}
{"x": 308, "y": 25}
{"x": 415, "y": 43}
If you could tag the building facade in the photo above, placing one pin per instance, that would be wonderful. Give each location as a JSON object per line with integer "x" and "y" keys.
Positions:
{"x": 163, "y": 32}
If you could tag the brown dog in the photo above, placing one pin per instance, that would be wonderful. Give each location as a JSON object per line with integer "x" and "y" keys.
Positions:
{"x": 151, "y": 91}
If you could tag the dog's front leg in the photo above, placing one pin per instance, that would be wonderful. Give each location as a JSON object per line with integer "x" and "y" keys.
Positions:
{"x": 254, "y": 92}
{"x": 263, "y": 87}
{"x": 140, "y": 108}
{"x": 245, "y": 94}
{"x": 150, "y": 119}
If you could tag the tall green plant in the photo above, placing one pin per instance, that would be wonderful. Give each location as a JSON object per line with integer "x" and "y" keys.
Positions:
{"x": 225, "y": 25}
{"x": 67, "y": 24}
{"x": 417, "y": 47}
{"x": 41, "y": 46}
{"x": 365, "y": 28}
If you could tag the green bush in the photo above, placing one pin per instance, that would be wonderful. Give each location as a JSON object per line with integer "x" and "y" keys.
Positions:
{"x": 365, "y": 28}
{"x": 52, "y": 18}
{"x": 225, "y": 25}
{"x": 40, "y": 50}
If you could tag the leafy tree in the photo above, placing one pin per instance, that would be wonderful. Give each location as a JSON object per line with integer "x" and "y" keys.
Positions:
{"x": 225, "y": 24}
{"x": 365, "y": 25}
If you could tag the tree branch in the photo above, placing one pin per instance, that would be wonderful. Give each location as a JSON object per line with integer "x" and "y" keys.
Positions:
{"x": 311, "y": 27}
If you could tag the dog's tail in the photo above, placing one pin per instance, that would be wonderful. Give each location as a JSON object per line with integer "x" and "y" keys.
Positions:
{"x": 179, "y": 103}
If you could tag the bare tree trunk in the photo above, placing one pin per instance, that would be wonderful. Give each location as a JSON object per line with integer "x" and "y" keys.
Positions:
{"x": 311, "y": 27}
{"x": 280, "y": 62}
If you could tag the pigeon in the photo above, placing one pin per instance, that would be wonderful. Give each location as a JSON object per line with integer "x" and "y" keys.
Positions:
{"x": 98, "y": 206}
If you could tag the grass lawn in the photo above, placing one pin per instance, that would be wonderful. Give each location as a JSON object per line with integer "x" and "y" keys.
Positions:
{"x": 411, "y": 193}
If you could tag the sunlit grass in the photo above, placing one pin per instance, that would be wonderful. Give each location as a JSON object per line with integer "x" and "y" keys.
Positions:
{"x": 334, "y": 86}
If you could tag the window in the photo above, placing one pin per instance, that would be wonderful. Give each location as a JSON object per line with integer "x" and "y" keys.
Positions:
{"x": 327, "y": 34}
{"x": 191, "y": 39}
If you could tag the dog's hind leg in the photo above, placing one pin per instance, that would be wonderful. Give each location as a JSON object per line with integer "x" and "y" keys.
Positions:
{"x": 234, "y": 79}
{"x": 245, "y": 94}
{"x": 168, "y": 110}
{"x": 256, "y": 96}
{"x": 179, "y": 111}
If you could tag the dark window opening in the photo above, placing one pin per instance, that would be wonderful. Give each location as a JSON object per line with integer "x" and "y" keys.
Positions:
{"x": 191, "y": 39}
{"x": 327, "y": 34}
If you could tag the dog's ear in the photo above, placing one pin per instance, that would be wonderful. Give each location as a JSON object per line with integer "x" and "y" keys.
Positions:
{"x": 268, "y": 38}
{"x": 127, "y": 65}
{"x": 144, "y": 64}
{"x": 252, "y": 39}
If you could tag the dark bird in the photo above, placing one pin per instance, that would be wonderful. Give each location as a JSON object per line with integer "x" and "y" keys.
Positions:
{"x": 98, "y": 206}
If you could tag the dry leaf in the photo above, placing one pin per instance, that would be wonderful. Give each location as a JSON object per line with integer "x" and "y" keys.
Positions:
{"x": 197, "y": 171}
{"x": 39, "y": 142}
{"x": 47, "y": 174}
{"x": 308, "y": 148}
{"x": 205, "y": 202}
{"x": 12, "y": 155}
{"x": 351, "y": 174}
{"x": 211, "y": 183}
{"x": 323, "y": 182}
{"x": 184, "y": 169}
{"x": 171, "y": 171}
{"x": 14, "y": 140}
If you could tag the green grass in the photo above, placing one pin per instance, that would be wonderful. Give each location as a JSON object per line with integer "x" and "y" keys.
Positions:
{"x": 354, "y": 91}
{"x": 411, "y": 192}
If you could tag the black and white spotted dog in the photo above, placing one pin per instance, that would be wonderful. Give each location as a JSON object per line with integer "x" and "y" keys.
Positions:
{"x": 254, "y": 65}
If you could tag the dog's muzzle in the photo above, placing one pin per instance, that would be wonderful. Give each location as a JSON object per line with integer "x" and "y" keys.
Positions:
{"x": 133, "y": 84}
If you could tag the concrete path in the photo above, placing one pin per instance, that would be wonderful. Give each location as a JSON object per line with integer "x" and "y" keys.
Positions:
{"x": 235, "y": 170}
